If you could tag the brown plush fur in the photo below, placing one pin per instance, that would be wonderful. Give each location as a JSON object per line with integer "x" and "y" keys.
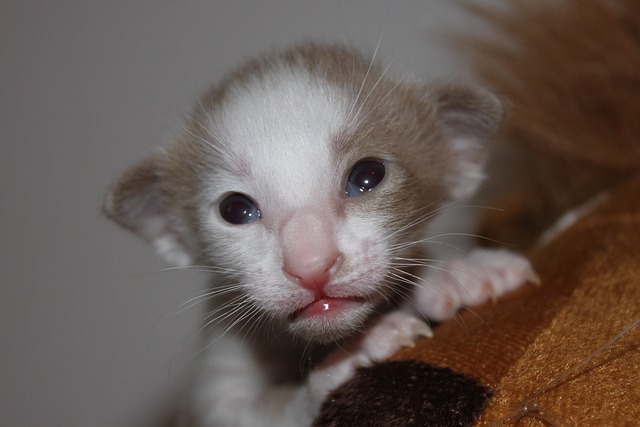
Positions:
{"x": 570, "y": 71}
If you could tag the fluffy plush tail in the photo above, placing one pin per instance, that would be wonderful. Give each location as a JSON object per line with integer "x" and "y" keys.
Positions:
{"x": 570, "y": 70}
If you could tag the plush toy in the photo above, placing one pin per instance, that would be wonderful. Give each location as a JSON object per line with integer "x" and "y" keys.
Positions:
{"x": 567, "y": 352}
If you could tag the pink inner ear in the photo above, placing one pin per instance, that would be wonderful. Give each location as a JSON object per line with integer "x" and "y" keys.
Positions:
{"x": 167, "y": 240}
{"x": 467, "y": 166}
{"x": 138, "y": 203}
{"x": 469, "y": 117}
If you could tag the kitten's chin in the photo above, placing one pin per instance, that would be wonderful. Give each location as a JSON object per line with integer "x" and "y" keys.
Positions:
{"x": 330, "y": 319}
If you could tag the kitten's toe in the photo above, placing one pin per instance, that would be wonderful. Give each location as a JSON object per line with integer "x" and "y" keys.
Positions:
{"x": 485, "y": 275}
{"x": 501, "y": 270}
{"x": 392, "y": 332}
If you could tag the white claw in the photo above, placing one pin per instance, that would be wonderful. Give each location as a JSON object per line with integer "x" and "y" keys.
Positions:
{"x": 425, "y": 331}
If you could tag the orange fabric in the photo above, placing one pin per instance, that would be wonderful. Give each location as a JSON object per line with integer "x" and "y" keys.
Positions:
{"x": 590, "y": 292}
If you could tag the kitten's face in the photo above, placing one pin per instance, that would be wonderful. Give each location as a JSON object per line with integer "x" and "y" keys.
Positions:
{"x": 303, "y": 175}
{"x": 313, "y": 243}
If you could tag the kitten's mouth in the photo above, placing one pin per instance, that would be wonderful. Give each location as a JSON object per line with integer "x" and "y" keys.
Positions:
{"x": 329, "y": 319}
{"x": 327, "y": 306}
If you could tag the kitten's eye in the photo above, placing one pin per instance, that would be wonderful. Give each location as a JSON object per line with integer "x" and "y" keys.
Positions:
{"x": 239, "y": 209}
{"x": 364, "y": 177}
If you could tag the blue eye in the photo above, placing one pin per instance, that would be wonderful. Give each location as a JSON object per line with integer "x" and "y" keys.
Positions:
{"x": 364, "y": 177}
{"x": 239, "y": 209}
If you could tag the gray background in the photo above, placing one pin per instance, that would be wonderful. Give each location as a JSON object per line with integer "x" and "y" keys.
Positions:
{"x": 91, "y": 328}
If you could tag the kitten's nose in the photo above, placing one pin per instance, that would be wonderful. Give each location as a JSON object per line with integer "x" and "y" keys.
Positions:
{"x": 313, "y": 272}
{"x": 310, "y": 253}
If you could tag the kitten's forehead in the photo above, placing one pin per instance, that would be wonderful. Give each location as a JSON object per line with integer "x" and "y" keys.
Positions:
{"x": 279, "y": 130}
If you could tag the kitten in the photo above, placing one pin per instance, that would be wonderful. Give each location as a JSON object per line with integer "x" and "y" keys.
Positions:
{"x": 305, "y": 182}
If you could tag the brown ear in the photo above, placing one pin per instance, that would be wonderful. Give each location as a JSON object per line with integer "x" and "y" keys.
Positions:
{"x": 469, "y": 117}
{"x": 138, "y": 202}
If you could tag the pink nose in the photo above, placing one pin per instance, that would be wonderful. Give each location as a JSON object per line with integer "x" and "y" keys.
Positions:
{"x": 312, "y": 272}
{"x": 310, "y": 253}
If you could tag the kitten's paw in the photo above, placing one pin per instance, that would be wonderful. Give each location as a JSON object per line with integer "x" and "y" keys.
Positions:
{"x": 392, "y": 332}
{"x": 485, "y": 274}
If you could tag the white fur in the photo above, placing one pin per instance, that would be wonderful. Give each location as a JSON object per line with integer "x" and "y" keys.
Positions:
{"x": 282, "y": 126}
{"x": 285, "y": 119}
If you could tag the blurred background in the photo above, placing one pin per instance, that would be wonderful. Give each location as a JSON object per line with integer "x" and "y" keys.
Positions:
{"x": 92, "y": 329}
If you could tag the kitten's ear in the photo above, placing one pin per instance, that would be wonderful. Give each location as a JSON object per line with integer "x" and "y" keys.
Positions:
{"x": 469, "y": 117}
{"x": 138, "y": 202}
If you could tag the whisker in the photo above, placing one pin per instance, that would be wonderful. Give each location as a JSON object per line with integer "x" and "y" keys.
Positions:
{"x": 201, "y": 268}
{"x": 408, "y": 263}
{"x": 406, "y": 278}
{"x": 241, "y": 319}
{"x": 422, "y": 218}
{"x": 206, "y": 296}
{"x": 397, "y": 83}
{"x": 224, "y": 312}
{"x": 255, "y": 322}
{"x": 530, "y": 408}
{"x": 371, "y": 91}
{"x": 569, "y": 372}
{"x": 366, "y": 76}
